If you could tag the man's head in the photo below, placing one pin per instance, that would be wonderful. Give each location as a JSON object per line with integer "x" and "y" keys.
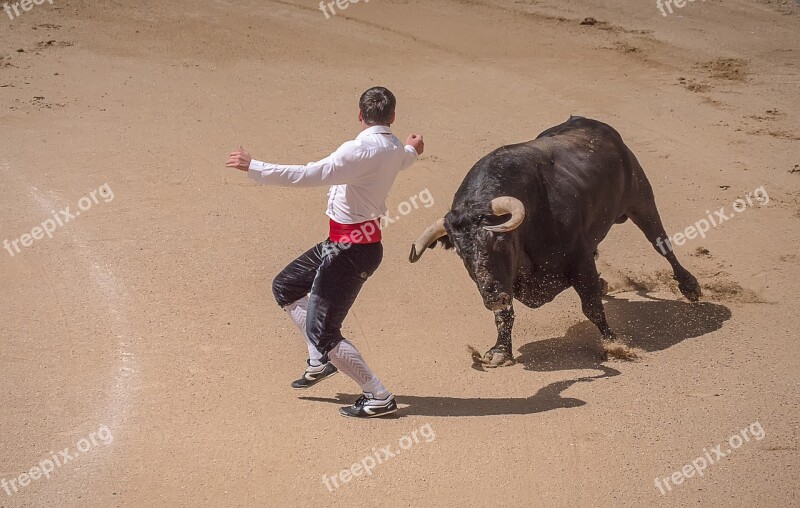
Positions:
{"x": 376, "y": 107}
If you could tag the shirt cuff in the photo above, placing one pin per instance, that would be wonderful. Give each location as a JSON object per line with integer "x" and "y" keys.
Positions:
{"x": 413, "y": 150}
{"x": 254, "y": 164}
{"x": 254, "y": 170}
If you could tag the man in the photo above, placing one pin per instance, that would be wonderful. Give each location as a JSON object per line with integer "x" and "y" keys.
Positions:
{"x": 318, "y": 288}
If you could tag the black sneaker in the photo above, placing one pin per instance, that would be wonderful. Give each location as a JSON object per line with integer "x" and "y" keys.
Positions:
{"x": 368, "y": 407}
{"x": 314, "y": 375}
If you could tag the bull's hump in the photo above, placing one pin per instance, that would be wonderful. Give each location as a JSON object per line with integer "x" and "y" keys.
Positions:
{"x": 576, "y": 124}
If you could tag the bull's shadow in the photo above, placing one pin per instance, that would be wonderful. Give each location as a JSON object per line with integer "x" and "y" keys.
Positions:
{"x": 650, "y": 325}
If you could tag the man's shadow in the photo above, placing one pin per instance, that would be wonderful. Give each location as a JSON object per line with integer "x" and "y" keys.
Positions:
{"x": 651, "y": 325}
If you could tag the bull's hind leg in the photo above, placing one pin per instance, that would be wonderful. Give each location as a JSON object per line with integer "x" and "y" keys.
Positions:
{"x": 589, "y": 286}
{"x": 646, "y": 218}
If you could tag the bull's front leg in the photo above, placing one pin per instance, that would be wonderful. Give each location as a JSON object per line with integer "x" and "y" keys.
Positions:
{"x": 501, "y": 355}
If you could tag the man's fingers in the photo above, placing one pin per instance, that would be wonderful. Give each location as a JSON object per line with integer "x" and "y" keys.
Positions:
{"x": 239, "y": 159}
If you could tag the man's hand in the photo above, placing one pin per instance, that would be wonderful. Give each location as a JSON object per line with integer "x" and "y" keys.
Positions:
{"x": 415, "y": 140}
{"x": 240, "y": 160}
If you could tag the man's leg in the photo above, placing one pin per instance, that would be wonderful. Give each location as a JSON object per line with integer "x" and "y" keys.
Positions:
{"x": 335, "y": 289}
{"x": 297, "y": 312}
{"x": 291, "y": 288}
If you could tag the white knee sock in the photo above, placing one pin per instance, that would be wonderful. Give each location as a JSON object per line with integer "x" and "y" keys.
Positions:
{"x": 297, "y": 311}
{"x": 347, "y": 359}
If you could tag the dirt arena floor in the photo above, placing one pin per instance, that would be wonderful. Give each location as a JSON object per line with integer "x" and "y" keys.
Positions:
{"x": 143, "y": 361}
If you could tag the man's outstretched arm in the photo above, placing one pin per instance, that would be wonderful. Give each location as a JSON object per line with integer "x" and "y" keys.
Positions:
{"x": 338, "y": 168}
{"x": 341, "y": 167}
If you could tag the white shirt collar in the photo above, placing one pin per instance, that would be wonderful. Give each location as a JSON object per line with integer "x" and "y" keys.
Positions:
{"x": 375, "y": 129}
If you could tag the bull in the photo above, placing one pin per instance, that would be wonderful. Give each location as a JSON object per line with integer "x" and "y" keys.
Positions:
{"x": 528, "y": 218}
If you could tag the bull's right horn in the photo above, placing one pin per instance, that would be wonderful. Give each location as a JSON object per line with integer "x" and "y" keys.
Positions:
{"x": 426, "y": 239}
{"x": 507, "y": 205}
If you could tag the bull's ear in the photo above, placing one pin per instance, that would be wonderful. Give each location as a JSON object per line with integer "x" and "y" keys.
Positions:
{"x": 445, "y": 241}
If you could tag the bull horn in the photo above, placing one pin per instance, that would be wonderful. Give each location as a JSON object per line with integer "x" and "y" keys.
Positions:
{"x": 427, "y": 238}
{"x": 507, "y": 205}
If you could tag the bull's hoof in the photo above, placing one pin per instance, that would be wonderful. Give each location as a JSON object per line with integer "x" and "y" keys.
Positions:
{"x": 495, "y": 357}
{"x": 617, "y": 350}
{"x": 690, "y": 288}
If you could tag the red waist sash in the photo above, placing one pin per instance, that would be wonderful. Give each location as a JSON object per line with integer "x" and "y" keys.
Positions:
{"x": 363, "y": 232}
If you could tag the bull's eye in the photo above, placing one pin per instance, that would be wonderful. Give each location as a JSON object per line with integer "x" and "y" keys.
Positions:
{"x": 487, "y": 220}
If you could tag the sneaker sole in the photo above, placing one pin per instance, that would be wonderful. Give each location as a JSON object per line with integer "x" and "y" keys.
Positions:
{"x": 369, "y": 416}
{"x": 318, "y": 381}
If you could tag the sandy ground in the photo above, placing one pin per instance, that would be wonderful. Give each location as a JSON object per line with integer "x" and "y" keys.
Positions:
{"x": 142, "y": 339}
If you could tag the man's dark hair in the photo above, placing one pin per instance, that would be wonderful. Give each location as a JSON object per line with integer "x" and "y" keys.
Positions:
{"x": 377, "y": 106}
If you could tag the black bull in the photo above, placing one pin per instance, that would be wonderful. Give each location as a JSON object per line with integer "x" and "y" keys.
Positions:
{"x": 528, "y": 218}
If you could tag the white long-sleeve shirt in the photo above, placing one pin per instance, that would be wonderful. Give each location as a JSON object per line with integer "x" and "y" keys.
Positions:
{"x": 360, "y": 172}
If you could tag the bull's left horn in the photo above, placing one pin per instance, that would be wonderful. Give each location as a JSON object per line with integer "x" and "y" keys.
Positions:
{"x": 430, "y": 235}
{"x": 507, "y": 205}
